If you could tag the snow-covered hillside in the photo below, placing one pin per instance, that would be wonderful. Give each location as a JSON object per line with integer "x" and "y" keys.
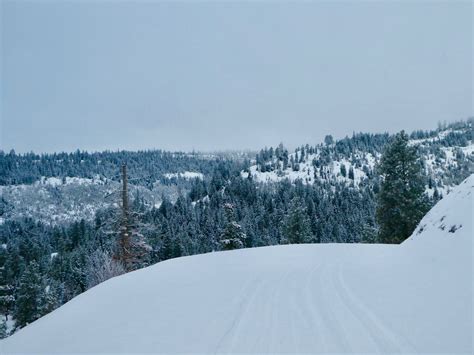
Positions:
{"x": 448, "y": 155}
{"x": 185, "y": 175}
{"x": 409, "y": 298}
{"x": 354, "y": 165}
{"x": 308, "y": 173}
{"x": 58, "y": 201}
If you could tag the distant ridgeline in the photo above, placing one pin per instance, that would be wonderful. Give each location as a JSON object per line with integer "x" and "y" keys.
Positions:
{"x": 56, "y": 210}
{"x": 144, "y": 166}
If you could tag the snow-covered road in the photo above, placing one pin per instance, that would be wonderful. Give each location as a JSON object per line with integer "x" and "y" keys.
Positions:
{"x": 306, "y": 308}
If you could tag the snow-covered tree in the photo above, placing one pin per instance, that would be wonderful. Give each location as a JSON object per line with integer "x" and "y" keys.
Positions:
{"x": 3, "y": 328}
{"x": 101, "y": 266}
{"x": 6, "y": 289}
{"x": 297, "y": 227}
{"x": 401, "y": 200}
{"x": 328, "y": 139}
{"x": 351, "y": 173}
{"x": 233, "y": 237}
{"x": 30, "y": 296}
{"x": 343, "y": 170}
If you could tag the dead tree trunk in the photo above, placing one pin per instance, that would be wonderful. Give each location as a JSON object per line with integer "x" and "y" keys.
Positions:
{"x": 124, "y": 242}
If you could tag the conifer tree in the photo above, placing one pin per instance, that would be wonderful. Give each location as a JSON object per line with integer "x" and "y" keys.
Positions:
{"x": 3, "y": 328}
{"x": 30, "y": 296}
{"x": 297, "y": 228}
{"x": 233, "y": 237}
{"x": 343, "y": 170}
{"x": 6, "y": 289}
{"x": 351, "y": 173}
{"x": 328, "y": 140}
{"x": 401, "y": 199}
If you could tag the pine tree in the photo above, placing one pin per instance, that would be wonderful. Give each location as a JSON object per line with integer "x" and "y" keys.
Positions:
{"x": 401, "y": 199}
{"x": 343, "y": 170}
{"x": 297, "y": 227}
{"x": 351, "y": 173}
{"x": 30, "y": 296}
{"x": 328, "y": 140}
{"x": 6, "y": 289}
{"x": 233, "y": 237}
{"x": 3, "y": 328}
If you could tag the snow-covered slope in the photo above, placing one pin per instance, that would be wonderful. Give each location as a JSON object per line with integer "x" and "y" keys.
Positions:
{"x": 409, "y": 298}
{"x": 438, "y": 160}
{"x": 308, "y": 174}
{"x": 57, "y": 201}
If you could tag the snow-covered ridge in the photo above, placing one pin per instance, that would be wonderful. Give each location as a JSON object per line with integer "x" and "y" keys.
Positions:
{"x": 360, "y": 164}
{"x": 441, "y": 135}
{"x": 54, "y": 181}
{"x": 188, "y": 175}
{"x": 308, "y": 173}
{"x": 56, "y": 201}
{"x": 319, "y": 298}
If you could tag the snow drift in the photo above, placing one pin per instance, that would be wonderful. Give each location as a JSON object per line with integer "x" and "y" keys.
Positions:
{"x": 414, "y": 297}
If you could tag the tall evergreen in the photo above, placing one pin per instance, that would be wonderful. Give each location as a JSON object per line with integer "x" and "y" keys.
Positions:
{"x": 343, "y": 170}
{"x": 3, "y": 328}
{"x": 30, "y": 296}
{"x": 233, "y": 237}
{"x": 6, "y": 289}
{"x": 297, "y": 227}
{"x": 351, "y": 173}
{"x": 401, "y": 199}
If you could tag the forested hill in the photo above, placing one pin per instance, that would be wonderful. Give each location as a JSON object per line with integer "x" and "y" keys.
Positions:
{"x": 65, "y": 187}
{"x": 446, "y": 154}
{"x": 59, "y": 212}
{"x": 145, "y": 167}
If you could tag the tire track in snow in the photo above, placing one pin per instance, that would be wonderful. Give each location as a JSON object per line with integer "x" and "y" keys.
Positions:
{"x": 243, "y": 316}
{"x": 310, "y": 313}
{"x": 275, "y": 314}
{"x": 352, "y": 322}
{"x": 242, "y": 305}
{"x": 332, "y": 327}
{"x": 385, "y": 339}
{"x": 294, "y": 312}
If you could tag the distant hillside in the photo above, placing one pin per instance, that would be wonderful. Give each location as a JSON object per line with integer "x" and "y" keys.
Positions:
{"x": 447, "y": 154}
{"x": 62, "y": 188}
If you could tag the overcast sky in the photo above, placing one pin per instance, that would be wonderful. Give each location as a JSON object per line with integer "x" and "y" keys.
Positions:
{"x": 134, "y": 75}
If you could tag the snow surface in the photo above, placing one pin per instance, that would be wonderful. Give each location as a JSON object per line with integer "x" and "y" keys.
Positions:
{"x": 410, "y": 298}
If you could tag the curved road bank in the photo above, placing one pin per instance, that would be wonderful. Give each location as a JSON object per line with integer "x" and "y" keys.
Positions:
{"x": 300, "y": 298}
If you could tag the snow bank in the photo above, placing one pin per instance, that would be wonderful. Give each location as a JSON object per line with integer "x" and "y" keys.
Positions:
{"x": 339, "y": 298}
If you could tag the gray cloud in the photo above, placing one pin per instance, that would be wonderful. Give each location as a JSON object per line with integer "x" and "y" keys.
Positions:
{"x": 213, "y": 76}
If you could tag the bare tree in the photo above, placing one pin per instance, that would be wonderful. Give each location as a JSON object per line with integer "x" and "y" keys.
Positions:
{"x": 101, "y": 266}
{"x": 131, "y": 246}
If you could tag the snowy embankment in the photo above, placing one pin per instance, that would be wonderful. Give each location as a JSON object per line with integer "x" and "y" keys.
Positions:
{"x": 409, "y": 298}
